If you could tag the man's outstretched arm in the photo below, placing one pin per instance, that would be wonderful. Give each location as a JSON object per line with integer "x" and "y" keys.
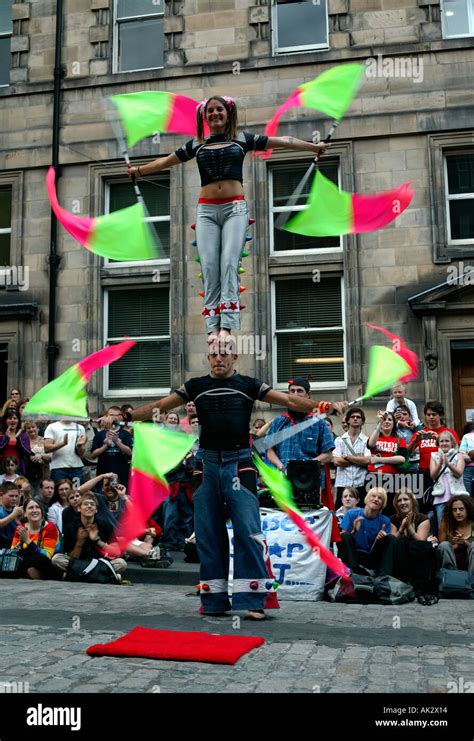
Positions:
{"x": 149, "y": 411}
{"x": 301, "y": 404}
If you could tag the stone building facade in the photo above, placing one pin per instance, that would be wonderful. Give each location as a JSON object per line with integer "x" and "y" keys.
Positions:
{"x": 413, "y": 120}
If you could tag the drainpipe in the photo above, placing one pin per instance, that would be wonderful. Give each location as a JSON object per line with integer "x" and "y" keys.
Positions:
{"x": 54, "y": 258}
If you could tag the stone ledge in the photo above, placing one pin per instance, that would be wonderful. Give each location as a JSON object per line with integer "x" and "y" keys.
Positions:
{"x": 258, "y": 14}
{"x": 21, "y": 11}
{"x": 98, "y": 33}
{"x": 20, "y": 43}
{"x": 173, "y": 24}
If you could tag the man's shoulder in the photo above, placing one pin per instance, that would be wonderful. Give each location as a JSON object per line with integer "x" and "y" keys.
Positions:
{"x": 52, "y": 428}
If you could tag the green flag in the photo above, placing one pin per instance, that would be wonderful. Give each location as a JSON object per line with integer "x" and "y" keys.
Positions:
{"x": 280, "y": 488}
{"x": 157, "y": 451}
{"x": 333, "y": 91}
{"x": 328, "y": 212}
{"x": 386, "y": 367}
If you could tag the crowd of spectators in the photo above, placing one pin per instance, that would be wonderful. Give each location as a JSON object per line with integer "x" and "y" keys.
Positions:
{"x": 402, "y": 492}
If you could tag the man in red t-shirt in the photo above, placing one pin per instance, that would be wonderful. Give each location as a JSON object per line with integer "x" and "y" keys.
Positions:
{"x": 427, "y": 438}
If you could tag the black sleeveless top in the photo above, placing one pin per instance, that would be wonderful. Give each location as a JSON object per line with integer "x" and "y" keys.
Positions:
{"x": 221, "y": 163}
{"x": 224, "y": 407}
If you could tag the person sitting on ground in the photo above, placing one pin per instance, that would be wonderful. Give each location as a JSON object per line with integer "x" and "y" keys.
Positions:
{"x": 46, "y": 494}
{"x": 59, "y": 502}
{"x": 10, "y": 470}
{"x": 88, "y": 537}
{"x": 366, "y": 542}
{"x": 10, "y": 512}
{"x": 39, "y": 541}
{"x": 456, "y": 534}
{"x": 446, "y": 470}
{"x": 415, "y": 560}
{"x": 398, "y": 400}
{"x": 350, "y": 500}
{"x": 115, "y": 499}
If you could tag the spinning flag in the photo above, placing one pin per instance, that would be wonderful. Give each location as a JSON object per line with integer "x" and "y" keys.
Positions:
{"x": 155, "y": 452}
{"x": 66, "y": 396}
{"x": 386, "y": 367}
{"x": 121, "y": 235}
{"x": 331, "y": 212}
{"x": 332, "y": 93}
{"x": 403, "y": 350}
{"x": 281, "y": 491}
{"x": 143, "y": 114}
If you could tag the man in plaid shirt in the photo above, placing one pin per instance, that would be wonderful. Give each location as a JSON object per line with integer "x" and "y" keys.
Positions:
{"x": 312, "y": 443}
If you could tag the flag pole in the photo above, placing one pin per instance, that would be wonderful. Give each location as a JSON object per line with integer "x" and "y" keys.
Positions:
{"x": 283, "y": 218}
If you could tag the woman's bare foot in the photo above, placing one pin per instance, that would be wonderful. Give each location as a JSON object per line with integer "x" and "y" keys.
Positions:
{"x": 224, "y": 334}
{"x": 213, "y": 337}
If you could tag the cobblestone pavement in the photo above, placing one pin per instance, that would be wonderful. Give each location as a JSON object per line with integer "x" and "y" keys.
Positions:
{"x": 45, "y": 629}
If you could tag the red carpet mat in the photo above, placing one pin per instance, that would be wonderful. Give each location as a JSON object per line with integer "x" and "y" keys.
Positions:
{"x": 178, "y": 646}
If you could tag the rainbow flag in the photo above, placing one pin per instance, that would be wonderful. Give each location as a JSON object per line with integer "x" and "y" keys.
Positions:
{"x": 399, "y": 347}
{"x": 66, "y": 396}
{"x": 331, "y": 212}
{"x": 144, "y": 113}
{"x": 331, "y": 92}
{"x": 155, "y": 452}
{"x": 122, "y": 235}
{"x": 282, "y": 493}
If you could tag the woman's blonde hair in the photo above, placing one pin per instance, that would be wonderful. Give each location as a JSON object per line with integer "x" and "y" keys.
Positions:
{"x": 380, "y": 491}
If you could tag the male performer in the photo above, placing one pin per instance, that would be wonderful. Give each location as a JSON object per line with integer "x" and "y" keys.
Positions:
{"x": 225, "y": 479}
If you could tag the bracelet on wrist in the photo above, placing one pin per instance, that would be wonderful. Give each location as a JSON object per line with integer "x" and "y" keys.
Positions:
{"x": 139, "y": 171}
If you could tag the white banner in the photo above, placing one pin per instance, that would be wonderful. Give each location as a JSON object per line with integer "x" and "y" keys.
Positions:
{"x": 298, "y": 571}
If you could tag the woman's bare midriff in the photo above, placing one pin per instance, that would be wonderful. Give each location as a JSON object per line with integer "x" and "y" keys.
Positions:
{"x": 222, "y": 189}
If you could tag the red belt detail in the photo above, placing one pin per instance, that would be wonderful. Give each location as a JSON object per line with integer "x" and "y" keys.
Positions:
{"x": 218, "y": 201}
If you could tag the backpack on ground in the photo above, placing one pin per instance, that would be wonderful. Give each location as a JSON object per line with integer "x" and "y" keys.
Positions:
{"x": 94, "y": 571}
{"x": 455, "y": 584}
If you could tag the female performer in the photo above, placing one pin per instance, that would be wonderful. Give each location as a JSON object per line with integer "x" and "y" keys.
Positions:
{"x": 222, "y": 212}
{"x": 415, "y": 559}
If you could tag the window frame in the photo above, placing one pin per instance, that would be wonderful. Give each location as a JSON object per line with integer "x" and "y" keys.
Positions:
{"x": 3, "y": 230}
{"x": 14, "y": 179}
{"x": 314, "y": 385}
{"x": 133, "y": 392}
{"x": 440, "y": 145}
{"x": 114, "y": 264}
{"x": 116, "y": 36}
{"x": 275, "y": 165}
{"x": 6, "y": 36}
{"x": 454, "y": 197}
{"x": 470, "y": 15}
{"x": 277, "y": 51}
